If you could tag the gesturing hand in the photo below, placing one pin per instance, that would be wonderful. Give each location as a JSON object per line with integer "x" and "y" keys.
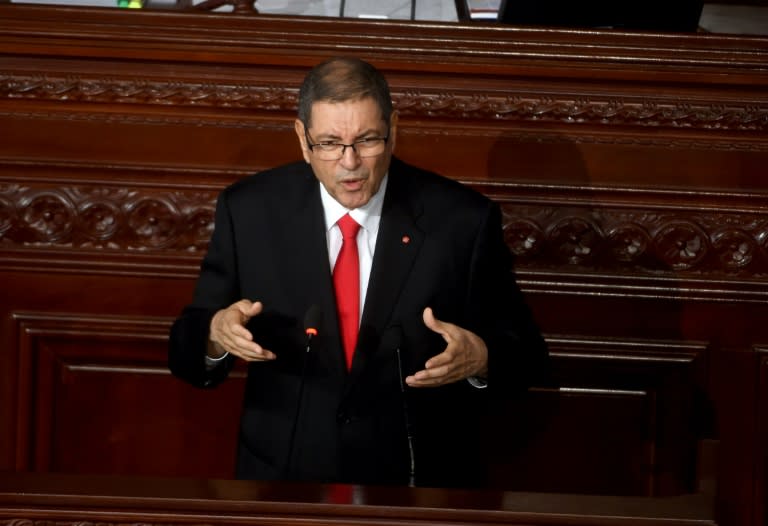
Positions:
{"x": 465, "y": 355}
{"x": 228, "y": 333}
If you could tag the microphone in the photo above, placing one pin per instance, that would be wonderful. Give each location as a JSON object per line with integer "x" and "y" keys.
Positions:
{"x": 312, "y": 320}
{"x": 398, "y": 336}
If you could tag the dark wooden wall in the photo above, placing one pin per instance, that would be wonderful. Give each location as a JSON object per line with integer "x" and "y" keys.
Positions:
{"x": 631, "y": 169}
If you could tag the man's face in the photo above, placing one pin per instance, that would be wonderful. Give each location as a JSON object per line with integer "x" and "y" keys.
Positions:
{"x": 351, "y": 180}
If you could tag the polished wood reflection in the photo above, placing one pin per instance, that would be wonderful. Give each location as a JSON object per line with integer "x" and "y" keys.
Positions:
{"x": 41, "y": 498}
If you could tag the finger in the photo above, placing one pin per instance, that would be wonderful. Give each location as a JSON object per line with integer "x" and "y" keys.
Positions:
{"x": 249, "y": 356}
{"x": 248, "y": 350}
{"x": 238, "y": 331}
{"x": 445, "y": 358}
{"x": 233, "y": 320}
{"x": 434, "y": 373}
{"x": 256, "y": 355}
{"x": 430, "y": 377}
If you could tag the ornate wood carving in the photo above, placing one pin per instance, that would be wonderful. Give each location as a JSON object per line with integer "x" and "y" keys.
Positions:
{"x": 563, "y": 236}
{"x": 656, "y": 111}
{"x": 647, "y": 241}
{"x": 103, "y": 217}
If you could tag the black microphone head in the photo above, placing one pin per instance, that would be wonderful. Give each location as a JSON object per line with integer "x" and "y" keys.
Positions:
{"x": 312, "y": 320}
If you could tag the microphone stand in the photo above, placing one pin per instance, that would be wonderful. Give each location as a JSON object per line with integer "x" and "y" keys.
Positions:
{"x": 292, "y": 440}
{"x": 311, "y": 322}
{"x": 408, "y": 428}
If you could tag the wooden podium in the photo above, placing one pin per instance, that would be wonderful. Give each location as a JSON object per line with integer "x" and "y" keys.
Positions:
{"x": 69, "y": 500}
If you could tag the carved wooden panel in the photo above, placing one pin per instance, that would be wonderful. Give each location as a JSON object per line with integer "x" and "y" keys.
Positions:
{"x": 106, "y": 217}
{"x": 601, "y": 236}
{"x": 571, "y": 228}
{"x": 504, "y": 102}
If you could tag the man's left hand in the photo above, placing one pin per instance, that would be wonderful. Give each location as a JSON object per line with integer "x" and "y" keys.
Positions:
{"x": 465, "y": 355}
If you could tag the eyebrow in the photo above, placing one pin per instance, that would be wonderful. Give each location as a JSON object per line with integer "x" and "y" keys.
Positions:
{"x": 335, "y": 138}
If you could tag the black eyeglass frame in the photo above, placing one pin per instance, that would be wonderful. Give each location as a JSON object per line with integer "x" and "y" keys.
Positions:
{"x": 344, "y": 147}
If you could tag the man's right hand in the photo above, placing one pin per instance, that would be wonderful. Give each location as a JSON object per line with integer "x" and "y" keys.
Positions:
{"x": 229, "y": 335}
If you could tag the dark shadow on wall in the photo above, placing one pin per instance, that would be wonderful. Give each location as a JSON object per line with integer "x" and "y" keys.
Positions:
{"x": 621, "y": 416}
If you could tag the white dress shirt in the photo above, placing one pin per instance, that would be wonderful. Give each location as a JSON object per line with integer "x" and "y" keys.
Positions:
{"x": 368, "y": 217}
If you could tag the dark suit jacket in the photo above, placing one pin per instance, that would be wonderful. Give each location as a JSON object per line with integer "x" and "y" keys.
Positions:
{"x": 440, "y": 244}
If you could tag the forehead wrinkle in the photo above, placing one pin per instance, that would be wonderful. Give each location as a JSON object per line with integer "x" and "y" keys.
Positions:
{"x": 340, "y": 118}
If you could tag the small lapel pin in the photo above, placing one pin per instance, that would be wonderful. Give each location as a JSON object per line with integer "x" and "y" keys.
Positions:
{"x": 406, "y": 240}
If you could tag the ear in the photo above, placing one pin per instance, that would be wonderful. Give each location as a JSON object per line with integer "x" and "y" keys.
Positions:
{"x": 393, "y": 130}
{"x": 298, "y": 126}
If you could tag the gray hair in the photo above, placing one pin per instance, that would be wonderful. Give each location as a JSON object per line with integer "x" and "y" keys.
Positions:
{"x": 342, "y": 79}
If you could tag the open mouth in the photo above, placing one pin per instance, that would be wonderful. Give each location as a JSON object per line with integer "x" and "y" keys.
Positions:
{"x": 353, "y": 185}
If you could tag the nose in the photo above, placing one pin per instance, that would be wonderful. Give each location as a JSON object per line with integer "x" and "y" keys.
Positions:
{"x": 349, "y": 157}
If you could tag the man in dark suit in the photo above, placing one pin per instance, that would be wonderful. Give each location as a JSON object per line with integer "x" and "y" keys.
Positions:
{"x": 442, "y": 328}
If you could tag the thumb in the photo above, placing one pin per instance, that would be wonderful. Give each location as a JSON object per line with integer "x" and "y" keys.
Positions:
{"x": 433, "y": 323}
{"x": 248, "y": 310}
{"x": 255, "y": 309}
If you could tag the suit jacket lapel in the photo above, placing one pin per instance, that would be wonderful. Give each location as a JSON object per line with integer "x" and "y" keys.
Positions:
{"x": 309, "y": 269}
{"x": 397, "y": 245}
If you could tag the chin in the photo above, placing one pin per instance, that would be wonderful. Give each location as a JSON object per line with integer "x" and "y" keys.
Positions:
{"x": 355, "y": 203}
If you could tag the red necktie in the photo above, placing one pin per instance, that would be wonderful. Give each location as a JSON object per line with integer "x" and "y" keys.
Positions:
{"x": 346, "y": 280}
{"x": 341, "y": 493}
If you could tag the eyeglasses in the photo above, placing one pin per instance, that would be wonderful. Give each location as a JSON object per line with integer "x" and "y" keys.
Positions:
{"x": 333, "y": 151}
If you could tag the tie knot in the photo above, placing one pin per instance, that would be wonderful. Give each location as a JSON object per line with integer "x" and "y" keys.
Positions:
{"x": 349, "y": 227}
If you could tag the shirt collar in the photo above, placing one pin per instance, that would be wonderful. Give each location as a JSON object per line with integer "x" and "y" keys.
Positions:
{"x": 367, "y": 216}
